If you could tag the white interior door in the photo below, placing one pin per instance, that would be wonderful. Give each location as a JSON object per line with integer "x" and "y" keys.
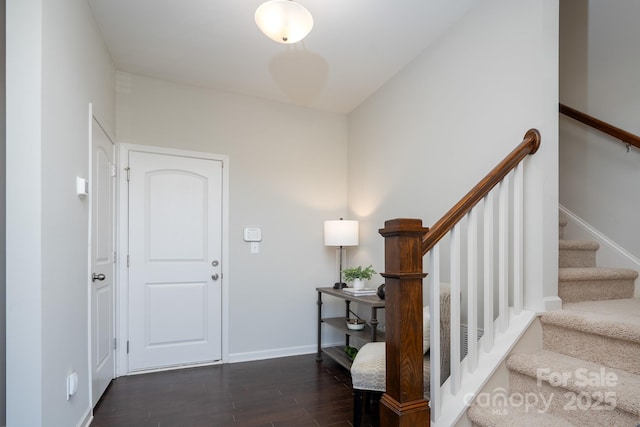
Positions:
{"x": 102, "y": 261}
{"x": 175, "y": 247}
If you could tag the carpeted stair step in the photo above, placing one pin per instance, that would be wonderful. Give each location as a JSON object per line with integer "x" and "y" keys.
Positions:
{"x": 578, "y": 253}
{"x": 595, "y": 283}
{"x": 500, "y": 413}
{"x": 604, "y": 332}
{"x": 581, "y": 392}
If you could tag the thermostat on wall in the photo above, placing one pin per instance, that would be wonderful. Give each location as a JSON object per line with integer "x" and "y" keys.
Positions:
{"x": 252, "y": 234}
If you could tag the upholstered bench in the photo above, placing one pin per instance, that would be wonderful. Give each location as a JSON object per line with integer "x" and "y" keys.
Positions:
{"x": 368, "y": 371}
{"x": 367, "y": 376}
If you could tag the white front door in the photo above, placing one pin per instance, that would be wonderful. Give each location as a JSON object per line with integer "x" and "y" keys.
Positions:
{"x": 175, "y": 248}
{"x": 102, "y": 256}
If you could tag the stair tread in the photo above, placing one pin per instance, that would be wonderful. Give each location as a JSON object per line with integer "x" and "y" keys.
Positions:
{"x": 582, "y": 376}
{"x": 566, "y": 274}
{"x": 586, "y": 245}
{"x": 617, "y": 318}
{"x": 512, "y": 415}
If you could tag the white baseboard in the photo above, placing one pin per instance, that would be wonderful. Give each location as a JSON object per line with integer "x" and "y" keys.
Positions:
{"x": 87, "y": 418}
{"x": 275, "y": 353}
{"x": 552, "y": 303}
{"x": 610, "y": 253}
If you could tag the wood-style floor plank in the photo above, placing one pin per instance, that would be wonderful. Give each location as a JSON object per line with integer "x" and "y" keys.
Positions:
{"x": 286, "y": 392}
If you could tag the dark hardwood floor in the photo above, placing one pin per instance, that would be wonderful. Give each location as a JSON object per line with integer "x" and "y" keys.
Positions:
{"x": 290, "y": 391}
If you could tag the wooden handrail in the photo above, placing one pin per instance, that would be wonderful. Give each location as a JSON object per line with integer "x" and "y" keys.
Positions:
{"x": 529, "y": 145}
{"x": 406, "y": 242}
{"x": 622, "y": 135}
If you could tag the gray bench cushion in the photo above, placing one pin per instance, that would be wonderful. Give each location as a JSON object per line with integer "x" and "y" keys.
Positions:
{"x": 369, "y": 367}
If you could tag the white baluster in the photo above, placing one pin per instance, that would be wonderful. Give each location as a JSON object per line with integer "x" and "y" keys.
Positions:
{"x": 472, "y": 289}
{"x": 488, "y": 272}
{"x": 434, "y": 339}
{"x": 518, "y": 236}
{"x": 455, "y": 309}
{"x": 503, "y": 255}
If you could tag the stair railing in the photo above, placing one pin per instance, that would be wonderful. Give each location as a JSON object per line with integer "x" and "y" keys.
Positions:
{"x": 406, "y": 243}
{"x": 609, "y": 129}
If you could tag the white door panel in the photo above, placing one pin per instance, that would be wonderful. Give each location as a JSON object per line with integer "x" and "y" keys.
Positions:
{"x": 175, "y": 224}
{"x": 102, "y": 244}
{"x": 177, "y": 227}
{"x": 171, "y": 323}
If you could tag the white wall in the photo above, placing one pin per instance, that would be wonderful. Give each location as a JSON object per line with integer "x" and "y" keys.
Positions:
{"x": 56, "y": 65}
{"x": 431, "y": 133}
{"x": 3, "y": 217}
{"x": 24, "y": 319}
{"x": 600, "y": 75}
{"x": 287, "y": 175}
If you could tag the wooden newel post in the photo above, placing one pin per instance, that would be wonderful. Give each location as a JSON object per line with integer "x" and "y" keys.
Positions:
{"x": 403, "y": 404}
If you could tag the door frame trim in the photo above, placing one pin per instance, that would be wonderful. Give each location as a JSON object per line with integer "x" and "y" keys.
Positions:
{"x": 122, "y": 225}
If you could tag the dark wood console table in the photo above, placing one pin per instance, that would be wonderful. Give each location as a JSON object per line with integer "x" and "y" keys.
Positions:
{"x": 368, "y": 334}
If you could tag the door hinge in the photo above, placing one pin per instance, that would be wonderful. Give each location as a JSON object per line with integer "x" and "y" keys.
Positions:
{"x": 127, "y": 260}
{"x": 115, "y": 343}
{"x": 127, "y": 347}
{"x": 114, "y": 169}
{"x": 115, "y": 257}
{"x": 128, "y": 169}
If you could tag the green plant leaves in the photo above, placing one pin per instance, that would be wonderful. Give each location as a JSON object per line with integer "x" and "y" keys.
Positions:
{"x": 358, "y": 273}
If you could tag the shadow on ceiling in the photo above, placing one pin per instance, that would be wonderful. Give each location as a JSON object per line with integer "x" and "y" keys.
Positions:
{"x": 299, "y": 74}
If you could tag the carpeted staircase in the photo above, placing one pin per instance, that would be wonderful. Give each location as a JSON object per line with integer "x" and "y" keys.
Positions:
{"x": 588, "y": 373}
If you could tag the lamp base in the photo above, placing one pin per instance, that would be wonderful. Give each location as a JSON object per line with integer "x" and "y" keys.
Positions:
{"x": 339, "y": 285}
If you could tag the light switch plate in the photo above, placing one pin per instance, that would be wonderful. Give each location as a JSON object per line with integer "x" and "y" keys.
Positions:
{"x": 82, "y": 187}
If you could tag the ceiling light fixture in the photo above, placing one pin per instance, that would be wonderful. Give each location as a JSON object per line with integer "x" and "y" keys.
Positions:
{"x": 284, "y": 21}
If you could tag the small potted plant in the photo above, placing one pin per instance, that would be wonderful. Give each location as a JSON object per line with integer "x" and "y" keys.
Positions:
{"x": 357, "y": 275}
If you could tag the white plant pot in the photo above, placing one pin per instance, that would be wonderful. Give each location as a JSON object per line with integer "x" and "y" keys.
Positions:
{"x": 358, "y": 284}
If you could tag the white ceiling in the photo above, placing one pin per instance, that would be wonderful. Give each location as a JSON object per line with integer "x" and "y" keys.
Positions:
{"x": 353, "y": 49}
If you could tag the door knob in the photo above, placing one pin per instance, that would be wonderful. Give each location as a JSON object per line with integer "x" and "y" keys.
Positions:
{"x": 215, "y": 276}
{"x": 95, "y": 277}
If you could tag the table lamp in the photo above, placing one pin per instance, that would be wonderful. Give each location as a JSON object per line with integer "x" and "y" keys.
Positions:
{"x": 340, "y": 233}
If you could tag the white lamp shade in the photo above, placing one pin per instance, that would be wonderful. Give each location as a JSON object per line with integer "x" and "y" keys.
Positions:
{"x": 341, "y": 233}
{"x": 284, "y": 21}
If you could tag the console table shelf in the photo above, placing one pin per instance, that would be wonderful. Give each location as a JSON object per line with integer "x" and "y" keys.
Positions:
{"x": 365, "y": 334}
{"x": 368, "y": 334}
{"x": 338, "y": 354}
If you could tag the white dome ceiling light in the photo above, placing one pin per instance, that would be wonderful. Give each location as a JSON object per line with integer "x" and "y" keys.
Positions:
{"x": 284, "y": 21}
